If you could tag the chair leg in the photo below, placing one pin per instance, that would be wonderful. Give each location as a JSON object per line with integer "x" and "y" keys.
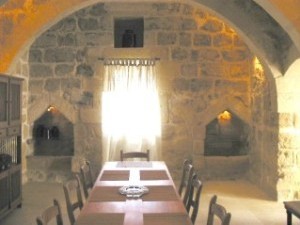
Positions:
{"x": 289, "y": 217}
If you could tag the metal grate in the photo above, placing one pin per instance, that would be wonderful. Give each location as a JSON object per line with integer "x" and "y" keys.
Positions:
{"x": 10, "y": 146}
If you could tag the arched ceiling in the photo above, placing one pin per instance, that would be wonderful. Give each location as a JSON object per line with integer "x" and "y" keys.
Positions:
{"x": 255, "y": 20}
{"x": 263, "y": 34}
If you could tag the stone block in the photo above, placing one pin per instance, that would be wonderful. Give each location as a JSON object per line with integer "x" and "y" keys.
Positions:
{"x": 52, "y": 85}
{"x": 67, "y": 39}
{"x": 197, "y": 85}
{"x": 235, "y": 55}
{"x": 206, "y": 55}
{"x": 166, "y": 8}
{"x": 84, "y": 70}
{"x": 164, "y": 38}
{"x": 189, "y": 70}
{"x": 66, "y": 25}
{"x": 57, "y": 55}
{"x": 97, "y": 10}
{"x": 40, "y": 70}
{"x": 238, "y": 70}
{"x": 35, "y": 55}
{"x": 86, "y": 98}
{"x": 212, "y": 25}
{"x": 36, "y": 86}
{"x": 188, "y": 24}
{"x": 69, "y": 83}
{"x": 180, "y": 84}
{"x": 237, "y": 41}
{"x": 229, "y": 86}
{"x": 202, "y": 40}
{"x": 152, "y": 23}
{"x": 95, "y": 38}
{"x": 149, "y": 38}
{"x": 88, "y": 24}
{"x": 185, "y": 39}
{"x": 64, "y": 69}
{"x": 212, "y": 69}
{"x": 180, "y": 54}
{"x": 46, "y": 40}
{"x": 222, "y": 40}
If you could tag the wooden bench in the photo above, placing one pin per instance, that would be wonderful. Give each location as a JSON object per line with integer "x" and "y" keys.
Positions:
{"x": 292, "y": 208}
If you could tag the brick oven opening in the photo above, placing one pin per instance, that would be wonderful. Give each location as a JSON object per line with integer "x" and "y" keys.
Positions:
{"x": 226, "y": 135}
{"x": 53, "y": 134}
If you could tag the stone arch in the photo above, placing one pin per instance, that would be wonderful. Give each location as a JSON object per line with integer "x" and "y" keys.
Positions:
{"x": 282, "y": 15}
{"x": 226, "y": 103}
{"x": 269, "y": 55}
{"x": 248, "y": 27}
{"x": 247, "y": 17}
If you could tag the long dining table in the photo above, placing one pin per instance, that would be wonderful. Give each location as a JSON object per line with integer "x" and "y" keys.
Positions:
{"x": 161, "y": 205}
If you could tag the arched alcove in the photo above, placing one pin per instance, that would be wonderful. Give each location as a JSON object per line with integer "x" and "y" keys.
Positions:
{"x": 51, "y": 140}
{"x": 53, "y": 134}
{"x": 226, "y": 135}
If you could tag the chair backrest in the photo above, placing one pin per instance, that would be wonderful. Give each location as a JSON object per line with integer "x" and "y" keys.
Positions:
{"x": 49, "y": 214}
{"x": 216, "y": 210}
{"x": 87, "y": 178}
{"x": 187, "y": 171}
{"x": 186, "y": 180}
{"x": 142, "y": 155}
{"x": 73, "y": 197}
{"x": 195, "y": 189}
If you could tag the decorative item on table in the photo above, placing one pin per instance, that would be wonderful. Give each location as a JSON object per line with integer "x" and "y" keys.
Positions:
{"x": 133, "y": 191}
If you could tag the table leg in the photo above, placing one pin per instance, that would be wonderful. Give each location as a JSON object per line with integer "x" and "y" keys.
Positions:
{"x": 289, "y": 218}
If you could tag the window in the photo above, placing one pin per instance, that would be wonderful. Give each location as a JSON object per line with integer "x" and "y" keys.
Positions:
{"x": 130, "y": 108}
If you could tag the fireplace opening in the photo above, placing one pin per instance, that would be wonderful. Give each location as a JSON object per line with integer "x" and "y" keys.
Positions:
{"x": 226, "y": 135}
{"x": 53, "y": 134}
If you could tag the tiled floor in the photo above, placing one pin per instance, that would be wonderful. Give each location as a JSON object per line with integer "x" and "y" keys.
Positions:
{"x": 247, "y": 204}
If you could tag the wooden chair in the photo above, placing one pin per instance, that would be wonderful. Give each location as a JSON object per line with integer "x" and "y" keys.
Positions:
{"x": 218, "y": 211}
{"x": 186, "y": 179}
{"x": 73, "y": 197}
{"x": 87, "y": 178}
{"x": 142, "y": 155}
{"x": 195, "y": 188}
{"x": 187, "y": 172}
{"x": 49, "y": 214}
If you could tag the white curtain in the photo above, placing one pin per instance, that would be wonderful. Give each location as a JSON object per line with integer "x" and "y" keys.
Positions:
{"x": 130, "y": 108}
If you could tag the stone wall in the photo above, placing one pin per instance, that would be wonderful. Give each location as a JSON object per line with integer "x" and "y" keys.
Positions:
{"x": 204, "y": 68}
{"x": 264, "y": 130}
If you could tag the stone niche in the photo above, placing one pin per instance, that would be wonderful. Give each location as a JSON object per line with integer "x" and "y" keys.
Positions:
{"x": 53, "y": 134}
{"x": 53, "y": 148}
{"x": 226, "y": 148}
{"x": 226, "y": 135}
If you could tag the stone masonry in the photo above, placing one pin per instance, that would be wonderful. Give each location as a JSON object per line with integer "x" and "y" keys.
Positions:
{"x": 204, "y": 68}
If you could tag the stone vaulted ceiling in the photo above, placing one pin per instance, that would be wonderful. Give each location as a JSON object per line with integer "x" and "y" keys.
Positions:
{"x": 259, "y": 30}
{"x": 273, "y": 41}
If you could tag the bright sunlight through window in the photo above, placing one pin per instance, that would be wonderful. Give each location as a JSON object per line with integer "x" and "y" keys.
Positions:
{"x": 130, "y": 107}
